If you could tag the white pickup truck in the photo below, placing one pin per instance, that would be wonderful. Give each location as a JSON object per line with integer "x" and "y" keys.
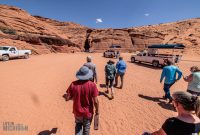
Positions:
{"x": 8, "y": 52}
{"x": 154, "y": 59}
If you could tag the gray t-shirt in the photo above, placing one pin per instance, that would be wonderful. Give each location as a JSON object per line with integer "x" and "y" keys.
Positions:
{"x": 92, "y": 67}
{"x": 194, "y": 85}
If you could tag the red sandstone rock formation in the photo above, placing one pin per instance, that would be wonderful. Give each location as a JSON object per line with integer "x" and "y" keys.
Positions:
{"x": 102, "y": 39}
{"x": 43, "y": 35}
{"x": 183, "y": 32}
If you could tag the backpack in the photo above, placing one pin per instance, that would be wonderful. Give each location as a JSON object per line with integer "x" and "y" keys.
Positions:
{"x": 110, "y": 71}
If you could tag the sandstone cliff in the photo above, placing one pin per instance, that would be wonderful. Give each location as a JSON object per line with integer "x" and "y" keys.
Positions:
{"x": 44, "y": 35}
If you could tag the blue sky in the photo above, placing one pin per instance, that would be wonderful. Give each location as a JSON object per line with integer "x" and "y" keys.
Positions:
{"x": 111, "y": 13}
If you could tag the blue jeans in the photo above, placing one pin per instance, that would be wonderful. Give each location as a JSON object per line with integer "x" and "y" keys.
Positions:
{"x": 167, "y": 90}
{"x": 82, "y": 126}
{"x": 121, "y": 77}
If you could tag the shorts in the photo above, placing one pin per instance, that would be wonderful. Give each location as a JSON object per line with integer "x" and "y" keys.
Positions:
{"x": 120, "y": 74}
{"x": 109, "y": 82}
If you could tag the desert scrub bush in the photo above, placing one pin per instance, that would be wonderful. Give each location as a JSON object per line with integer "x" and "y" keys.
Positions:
{"x": 8, "y": 30}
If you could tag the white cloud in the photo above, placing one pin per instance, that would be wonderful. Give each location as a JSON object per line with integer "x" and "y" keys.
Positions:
{"x": 147, "y": 14}
{"x": 99, "y": 20}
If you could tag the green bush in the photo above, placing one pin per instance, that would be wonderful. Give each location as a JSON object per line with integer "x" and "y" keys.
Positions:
{"x": 8, "y": 31}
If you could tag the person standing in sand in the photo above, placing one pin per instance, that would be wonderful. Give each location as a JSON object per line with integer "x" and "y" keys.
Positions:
{"x": 169, "y": 73}
{"x": 84, "y": 94}
{"x": 92, "y": 67}
{"x": 193, "y": 81}
{"x": 110, "y": 72}
{"x": 117, "y": 55}
{"x": 187, "y": 121}
{"x": 121, "y": 69}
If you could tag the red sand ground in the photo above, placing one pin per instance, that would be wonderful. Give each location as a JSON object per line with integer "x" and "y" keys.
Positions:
{"x": 32, "y": 90}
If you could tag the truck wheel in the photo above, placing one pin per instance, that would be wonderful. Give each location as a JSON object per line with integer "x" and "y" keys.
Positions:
{"x": 26, "y": 56}
{"x": 132, "y": 59}
{"x": 155, "y": 63}
{"x": 5, "y": 57}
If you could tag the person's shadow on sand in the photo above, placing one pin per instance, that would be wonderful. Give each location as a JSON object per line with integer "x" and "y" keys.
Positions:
{"x": 47, "y": 132}
{"x": 161, "y": 103}
{"x": 102, "y": 85}
{"x": 105, "y": 95}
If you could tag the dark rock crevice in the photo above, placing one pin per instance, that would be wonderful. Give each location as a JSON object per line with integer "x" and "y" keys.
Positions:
{"x": 87, "y": 41}
{"x": 132, "y": 41}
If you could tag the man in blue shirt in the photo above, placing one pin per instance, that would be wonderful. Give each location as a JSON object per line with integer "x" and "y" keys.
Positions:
{"x": 121, "y": 69}
{"x": 169, "y": 73}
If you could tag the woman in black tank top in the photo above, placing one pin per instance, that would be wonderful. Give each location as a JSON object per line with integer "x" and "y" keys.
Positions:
{"x": 187, "y": 122}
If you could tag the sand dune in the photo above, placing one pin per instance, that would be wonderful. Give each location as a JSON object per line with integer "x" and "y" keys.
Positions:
{"x": 32, "y": 90}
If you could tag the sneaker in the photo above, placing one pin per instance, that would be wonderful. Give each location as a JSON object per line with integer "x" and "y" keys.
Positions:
{"x": 164, "y": 97}
{"x": 170, "y": 101}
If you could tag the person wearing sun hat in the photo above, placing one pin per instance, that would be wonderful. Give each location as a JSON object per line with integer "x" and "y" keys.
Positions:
{"x": 84, "y": 73}
{"x": 84, "y": 94}
{"x": 110, "y": 72}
